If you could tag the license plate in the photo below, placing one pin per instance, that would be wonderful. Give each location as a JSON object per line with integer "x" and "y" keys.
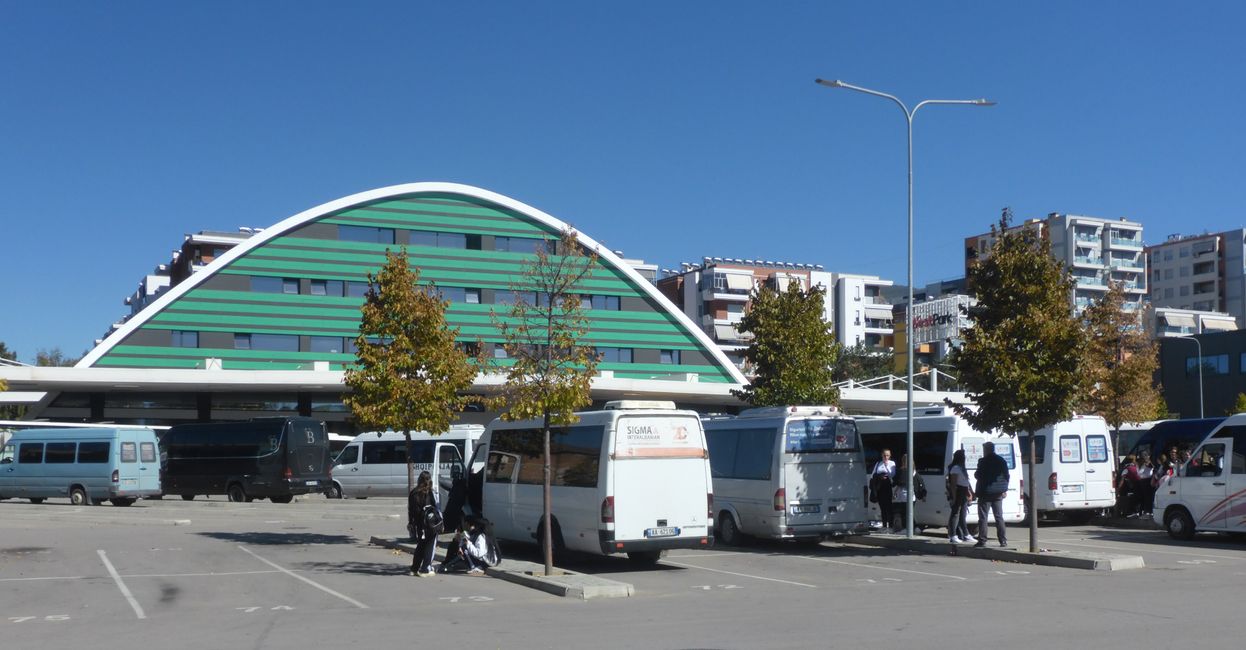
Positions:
{"x": 313, "y": 482}
{"x": 664, "y": 531}
{"x": 1071, "y": 488}
{"x": 806, "y": 509}
{"x": 129, "y": 482}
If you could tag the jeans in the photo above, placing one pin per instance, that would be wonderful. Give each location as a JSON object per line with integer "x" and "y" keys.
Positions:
{"x": 991, "y": 505}
{"x": 960, "y": 510}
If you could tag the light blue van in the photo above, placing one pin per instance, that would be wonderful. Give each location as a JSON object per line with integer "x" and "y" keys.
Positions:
{"x": 88, "y": 466}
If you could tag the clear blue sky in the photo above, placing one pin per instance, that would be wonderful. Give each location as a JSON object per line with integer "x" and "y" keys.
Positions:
{"x": 669, "y": 130}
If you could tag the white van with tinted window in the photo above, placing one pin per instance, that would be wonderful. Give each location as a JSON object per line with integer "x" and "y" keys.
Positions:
{"x": 937, "y": 433}
{"x": 787, "y": 473}
{"x": 1207, "y": 493}
{"x": 374, "y": 464}
{"x": 1073, "y": 468}
{"x": 633, "y": 478}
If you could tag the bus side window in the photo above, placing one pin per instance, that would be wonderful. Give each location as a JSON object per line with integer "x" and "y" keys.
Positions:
{"x": 1208, "y": 461}
{"x": 6, "y": 455}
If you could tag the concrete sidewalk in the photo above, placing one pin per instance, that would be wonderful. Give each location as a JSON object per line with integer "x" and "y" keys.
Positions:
{"x": 938, "y": 545}
{"x": 568, "y": 584}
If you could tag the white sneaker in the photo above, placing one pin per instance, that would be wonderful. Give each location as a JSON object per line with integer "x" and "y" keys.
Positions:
{"x": 969, "y": 538}
{"x": 954, "y": 540}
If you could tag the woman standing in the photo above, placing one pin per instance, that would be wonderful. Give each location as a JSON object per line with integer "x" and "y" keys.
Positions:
{"x": 961, "y": 493}
{"x": 419, "y": 502}
{"x": 881, "y": 478}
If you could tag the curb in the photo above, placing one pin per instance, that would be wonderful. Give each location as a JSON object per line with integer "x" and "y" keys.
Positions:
{"x": 1045, "y": 557}
{"x": 568, "y": 584}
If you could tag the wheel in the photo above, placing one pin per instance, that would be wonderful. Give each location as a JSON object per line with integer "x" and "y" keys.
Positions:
{"x": 1179, "y": 524}
{"x": 237, "y": 494}
{"x": 334, "y": 491}
{"x": 285, "y": 498}
{"x": 728, "y": 532}
{"x": 123, "y": 502}
{"x": 78, "y": 496}
{"x": 36, "y": 499}
{"x": 188, "y": 497}
{"x": 646, "y": 558}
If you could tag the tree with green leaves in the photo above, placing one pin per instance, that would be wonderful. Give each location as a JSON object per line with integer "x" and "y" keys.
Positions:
{"x": 861, "y": 362}
{"x": 1121, "y": 359}
{"x": 1022, "y": 362}
{"x": 793, "y": 351}
{"x": 409, "y": 374}
{"x": 6, "y": 353}
{"x": 549, "y": 371}
{"x": 1239, "y": 406}
{"x": 55, "y": 358}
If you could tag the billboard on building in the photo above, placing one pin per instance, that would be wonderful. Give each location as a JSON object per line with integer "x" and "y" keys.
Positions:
{"x": 940, "y": 319}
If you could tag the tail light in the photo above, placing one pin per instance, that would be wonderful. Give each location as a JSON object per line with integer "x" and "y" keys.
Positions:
{"x": 116, "y": 476}
{"x": 607, "y": 510}
{"x": 780, "y": 499}
{"x": 709, "y": 506}
{"x": 287, "y": 474}
{"x": 1052, "y": 483}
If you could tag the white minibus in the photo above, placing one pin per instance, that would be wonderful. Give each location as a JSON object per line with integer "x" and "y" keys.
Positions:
{"x": 937, "y": 433}
{"x": 374, "y": 464}
{"x": 88, "y": 466}
{"x": 633, "y": 478}
{"x": 787, "y": 473}
{"x": 1073, "y": 468}
{"x": 1208, "y": 493}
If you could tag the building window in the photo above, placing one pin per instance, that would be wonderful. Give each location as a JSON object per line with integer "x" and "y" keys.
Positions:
{"x": 1185, "y": 251}
{"x": 611, "y": 303}
{"x": 460, "y": 294}
{"x": 356, "y": 289}
{"x": 368, "y": 234}
{"x": 275, "y": 342}
{"x": 511, "y": 297}
{"x": 185, "y": 339}
{"x": 328, "y": 287}
{"x": 242, "y": 341}
{"x": 263, "y": 284}
{"x": 1185, "y": 291}
{"x": 470, "y": 348}
{"x": 499, "y": 351}
{"x": 1168, "y": 255}
{"x": 439, "y": 239}
{"x": 290, "y": 285}
{"x": 522, "y": 245}
{"x": 670, "y": 357}
{"x": 1168, "y": 292}
{"x": 615, "y": 355}
{"x": 329, "y": 344}
{"x": 1216, "y": 364}
{"x": 1242, "y": 364}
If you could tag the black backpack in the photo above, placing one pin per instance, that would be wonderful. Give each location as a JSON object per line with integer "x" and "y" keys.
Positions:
{"x": 433, "y": 519}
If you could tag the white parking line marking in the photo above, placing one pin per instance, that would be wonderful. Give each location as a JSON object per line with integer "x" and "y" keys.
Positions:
{"x": 881, "y": 568}
{"x": 1148, "y": 550}
{"x": 47, "y": 578}
{"x": 125, "y": 591}
{"x": 299, "y": 577}
{"x": 732, "y": 573}
{"x": 198, "y": 575}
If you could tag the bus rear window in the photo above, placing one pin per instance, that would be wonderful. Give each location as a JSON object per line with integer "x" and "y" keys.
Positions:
{"x": 813, "y": 436}
{"x": 1007, "y": 451}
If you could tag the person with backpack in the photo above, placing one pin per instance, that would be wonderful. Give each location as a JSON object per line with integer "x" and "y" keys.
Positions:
{"x": 424, "y": 521}
{"x": 959, "y": 494}
{"x": 880, "y": 486}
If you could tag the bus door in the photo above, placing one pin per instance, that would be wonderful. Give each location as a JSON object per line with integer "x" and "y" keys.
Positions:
{"x": 448, "y": 467}
{"x": 1205, "y": 485}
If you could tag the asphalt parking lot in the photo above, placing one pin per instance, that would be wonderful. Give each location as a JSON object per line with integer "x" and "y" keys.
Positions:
{"x": 214, "y": 574}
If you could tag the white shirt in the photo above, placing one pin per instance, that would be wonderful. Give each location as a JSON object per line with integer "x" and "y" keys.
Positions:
{"x": 887, "y": 467}
{"x": 477, "y": 548}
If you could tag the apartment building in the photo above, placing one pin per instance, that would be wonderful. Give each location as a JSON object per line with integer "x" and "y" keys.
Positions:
{"x": 1096, "y": 251}
{"x": 1168, "y": 322}
{"x": 1203, "y": 272}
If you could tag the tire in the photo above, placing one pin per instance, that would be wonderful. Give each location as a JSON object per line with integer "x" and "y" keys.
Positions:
{"x": 728, "y": 531}
{"x": 123, "y": 502}
{"x": 237, "y": 494}
{"x": 559, "y": 548}
{"x": 645, "y": 558}
{"x": 36, "y": 500}
{"x": 285, "y": 498}
{"x": 334, "y": 491}
{"x": 78, "y": 496}
{"x": 1179, "y": 524}
{"x": 188, "y": 497}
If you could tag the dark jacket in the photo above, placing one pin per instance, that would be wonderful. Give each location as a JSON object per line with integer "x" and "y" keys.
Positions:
{"x": 990, "y": 469}
{"x": 415, "y": 512}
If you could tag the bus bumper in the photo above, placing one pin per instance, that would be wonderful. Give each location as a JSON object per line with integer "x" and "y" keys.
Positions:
{"x": 610, "y": 545}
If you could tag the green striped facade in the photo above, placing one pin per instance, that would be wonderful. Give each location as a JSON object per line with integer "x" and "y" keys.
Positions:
{"x": 225, "y": 304}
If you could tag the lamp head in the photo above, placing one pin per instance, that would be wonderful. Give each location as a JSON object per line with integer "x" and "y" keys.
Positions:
{"x": 984, "y": 102}
{"x": 830, "y": 84}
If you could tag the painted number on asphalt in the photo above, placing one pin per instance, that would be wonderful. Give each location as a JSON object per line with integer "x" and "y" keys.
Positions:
{"x": 473, "y": 599}
{"x": 710, "y": 587}
{"x": 53, "y": 618}
{"x": 1196, "y": 561}
{"x": 278, "y": 608}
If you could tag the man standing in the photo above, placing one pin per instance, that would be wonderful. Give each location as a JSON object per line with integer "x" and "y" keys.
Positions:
{"x": 992, "y": 475}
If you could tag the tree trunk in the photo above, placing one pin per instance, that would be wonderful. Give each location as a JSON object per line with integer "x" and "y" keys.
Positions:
{"x": 410, "y": 463}
{"x": 547, "y": 541}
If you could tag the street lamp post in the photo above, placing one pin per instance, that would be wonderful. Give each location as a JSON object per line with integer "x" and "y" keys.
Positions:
{"x": 908, "y": 311}
{"x": 1200, "y": 371}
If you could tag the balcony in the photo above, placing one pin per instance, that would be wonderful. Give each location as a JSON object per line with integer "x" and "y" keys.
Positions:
{"x": 1125, "y": 263}
{"x": 1083, "y": 260}
{"x": 1118, "y": 241}
{"x": 732, "y": 287}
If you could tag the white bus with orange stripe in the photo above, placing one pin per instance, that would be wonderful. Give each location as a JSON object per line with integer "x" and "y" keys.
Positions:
{"x": 633, "y": 478}
{"x": 1208, "y": 493}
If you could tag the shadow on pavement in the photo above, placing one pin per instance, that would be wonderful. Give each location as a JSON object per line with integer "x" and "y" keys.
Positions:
{"x": 399, "y": 567}
{"x": 281, "y": 539}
